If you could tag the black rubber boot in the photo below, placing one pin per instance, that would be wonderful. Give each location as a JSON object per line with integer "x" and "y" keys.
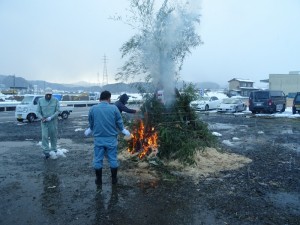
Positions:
{"x": 98, "y": 180}
{"x": 114, "y": 179}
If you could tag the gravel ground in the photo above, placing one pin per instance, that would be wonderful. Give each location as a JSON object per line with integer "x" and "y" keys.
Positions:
{"x": 62, "y": 190}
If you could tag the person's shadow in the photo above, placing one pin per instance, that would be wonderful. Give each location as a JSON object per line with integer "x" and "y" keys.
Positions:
{"x": 51, "y": 195}
{"x": 106, "y": 200}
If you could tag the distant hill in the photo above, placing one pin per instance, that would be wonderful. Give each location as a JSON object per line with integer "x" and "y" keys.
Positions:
{"x": 114, "y": 88}
{"x": 10, "y": 81}
{"x": 1, "y": 77}
{"x": 81, "y": 84}
{"x": 208, "y": 85}
{"x": 13, "y": 81}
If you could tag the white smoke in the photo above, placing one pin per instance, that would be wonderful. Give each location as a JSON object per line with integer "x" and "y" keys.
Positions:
{"x": 163, "y": 42}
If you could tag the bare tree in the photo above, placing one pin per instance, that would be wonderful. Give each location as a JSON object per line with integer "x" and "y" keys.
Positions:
{"x": 164, "y": 37}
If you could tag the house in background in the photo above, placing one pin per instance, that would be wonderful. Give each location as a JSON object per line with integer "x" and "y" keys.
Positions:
{"x": 241, "y": 87}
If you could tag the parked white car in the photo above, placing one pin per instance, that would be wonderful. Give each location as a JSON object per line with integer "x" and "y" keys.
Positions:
{"x": 206, "y": 103}
{"x": 232, "y": 105}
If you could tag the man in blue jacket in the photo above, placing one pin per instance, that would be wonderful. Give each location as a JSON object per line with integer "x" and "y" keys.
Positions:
{"x": 47, "y": 111}
{"x": 105, "y": 122}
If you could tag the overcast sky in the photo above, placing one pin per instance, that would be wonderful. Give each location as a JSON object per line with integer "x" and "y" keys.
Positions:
{"x": 64, "y": 41}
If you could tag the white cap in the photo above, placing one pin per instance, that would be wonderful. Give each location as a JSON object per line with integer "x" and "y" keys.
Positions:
{"x": 48, "y": 91}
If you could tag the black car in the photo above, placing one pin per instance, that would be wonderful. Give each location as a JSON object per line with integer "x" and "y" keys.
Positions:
{"x": 296, "y": 103}
{"x": 267, "y": 101}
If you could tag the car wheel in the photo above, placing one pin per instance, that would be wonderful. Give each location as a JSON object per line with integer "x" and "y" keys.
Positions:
{"x": 206, "y": 108}
{"x": 272, "y": 109}
{"x": 294, "y": 110}
{"x": 253, "y": 111}
{"x": 31, "y": 118}
{"x": 64, "y": 115}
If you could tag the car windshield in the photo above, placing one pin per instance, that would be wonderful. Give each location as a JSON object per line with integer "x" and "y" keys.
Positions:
{"x": 27, "y": 100}
{"x": 230, "y": 100}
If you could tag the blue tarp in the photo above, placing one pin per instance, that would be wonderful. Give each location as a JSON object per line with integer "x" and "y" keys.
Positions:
{"x": 58, "y": 96}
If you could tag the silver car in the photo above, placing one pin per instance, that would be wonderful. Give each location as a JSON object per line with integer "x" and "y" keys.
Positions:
{"x": 206, "y": 103}
{"x": 232, "y": 105}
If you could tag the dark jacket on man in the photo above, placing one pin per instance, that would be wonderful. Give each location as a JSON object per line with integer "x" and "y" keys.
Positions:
{"x": 121, "y": 104}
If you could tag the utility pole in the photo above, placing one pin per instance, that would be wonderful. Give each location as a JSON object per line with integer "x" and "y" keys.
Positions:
{"x": 14, "y": 79}
{"x": 98, "y": 79}
{"x": 105, "y": 76}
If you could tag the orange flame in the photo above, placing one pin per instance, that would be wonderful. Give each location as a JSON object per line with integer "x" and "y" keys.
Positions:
{"x": 143, "y": 142}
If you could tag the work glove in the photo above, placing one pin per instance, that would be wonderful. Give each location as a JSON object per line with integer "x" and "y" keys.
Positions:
{"x": 48, "y": 119}
{"x": 87, "y": 132}
{"x": 125, "y": 132}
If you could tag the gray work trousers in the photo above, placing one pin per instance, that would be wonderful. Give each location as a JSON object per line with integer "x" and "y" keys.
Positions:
{"x": 49, "y": 130}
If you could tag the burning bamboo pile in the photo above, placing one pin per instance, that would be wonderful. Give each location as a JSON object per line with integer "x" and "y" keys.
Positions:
{"x": 144, "y": 140}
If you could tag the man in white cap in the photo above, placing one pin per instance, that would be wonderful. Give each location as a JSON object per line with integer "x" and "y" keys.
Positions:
{"x": 48, "y": 110}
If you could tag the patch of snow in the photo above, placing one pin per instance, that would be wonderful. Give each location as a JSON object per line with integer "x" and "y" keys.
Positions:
{"x": 260, "y": 132}
{"x": 286, "y": 114}
{"x": 217, "y": 134}
{"x": 239, "y": 113}
{"x": 79, "y": 129}
{"x": 59, "y": 153}
{"x": 289, "y": 131}
{"x": 227, "y": 142}
{"x": 220, "y": 126}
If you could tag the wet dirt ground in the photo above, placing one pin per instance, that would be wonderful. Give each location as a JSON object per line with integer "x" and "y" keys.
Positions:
{"x": 62, "y": 191}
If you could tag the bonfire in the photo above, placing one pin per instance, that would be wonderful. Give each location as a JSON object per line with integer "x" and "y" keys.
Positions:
{"x": 143, "y": 141}
{"x": 168, "y": 131}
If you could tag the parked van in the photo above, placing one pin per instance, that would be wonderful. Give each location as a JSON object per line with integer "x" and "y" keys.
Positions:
{"x": 296, "y": 103}
{"x": 267, "y": 101}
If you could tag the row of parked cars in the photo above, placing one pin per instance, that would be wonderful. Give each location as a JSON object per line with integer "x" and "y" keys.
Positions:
{"x": 265, "y": 101}
{"x": 213, "y": 102}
